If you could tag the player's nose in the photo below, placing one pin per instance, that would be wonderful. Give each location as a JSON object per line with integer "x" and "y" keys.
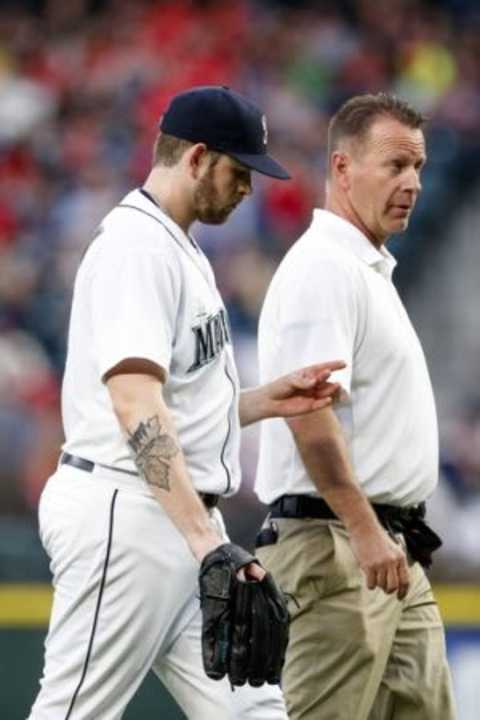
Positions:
{"x": 245, "y": 187}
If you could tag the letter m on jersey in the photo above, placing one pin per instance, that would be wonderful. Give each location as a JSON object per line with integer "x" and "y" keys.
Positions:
{"x": 210, "y": 338}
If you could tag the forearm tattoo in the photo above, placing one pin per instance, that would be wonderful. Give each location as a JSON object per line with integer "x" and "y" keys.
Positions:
{"x": 152, "y": 450}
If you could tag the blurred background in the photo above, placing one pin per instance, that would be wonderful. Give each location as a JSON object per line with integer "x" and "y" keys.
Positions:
{"x": 82, "y": 86}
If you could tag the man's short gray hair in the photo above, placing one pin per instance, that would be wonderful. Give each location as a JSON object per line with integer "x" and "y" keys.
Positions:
{"x": 356, "y": 116}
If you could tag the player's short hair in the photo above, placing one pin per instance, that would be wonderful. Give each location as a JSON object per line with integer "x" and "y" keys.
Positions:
{"x": 357, "y": 115}
{"x": 167, "y": 150}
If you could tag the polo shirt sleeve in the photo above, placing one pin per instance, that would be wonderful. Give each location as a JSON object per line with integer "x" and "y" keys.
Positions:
{"x": 134, "y": 295}
{"x": 318, "y": 318}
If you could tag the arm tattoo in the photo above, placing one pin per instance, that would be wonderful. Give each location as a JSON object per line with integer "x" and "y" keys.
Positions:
{"x": 153, "y": 450}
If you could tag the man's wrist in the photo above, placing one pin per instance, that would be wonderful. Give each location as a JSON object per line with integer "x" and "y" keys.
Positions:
{"x": 364, "y": 524}
{"x": 201, "y": 544}
{"x": 263, "y": 402}
{"x": 357, "y": 513}
{"x": 255, "y": 405}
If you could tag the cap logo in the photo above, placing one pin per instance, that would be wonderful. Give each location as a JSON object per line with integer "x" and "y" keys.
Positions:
{"x": 265, "y": 129}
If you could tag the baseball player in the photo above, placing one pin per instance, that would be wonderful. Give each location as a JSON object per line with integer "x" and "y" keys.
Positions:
{"x": 152, "y": 411}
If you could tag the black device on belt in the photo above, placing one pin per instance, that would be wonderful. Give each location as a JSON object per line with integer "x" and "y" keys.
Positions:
{"x": 209, "y": 499}
{"x": 420, "y": 539}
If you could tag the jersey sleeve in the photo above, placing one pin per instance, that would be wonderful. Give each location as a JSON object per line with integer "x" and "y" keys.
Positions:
{"x": 319, "y": 319}
{"x": 134, "y": 295}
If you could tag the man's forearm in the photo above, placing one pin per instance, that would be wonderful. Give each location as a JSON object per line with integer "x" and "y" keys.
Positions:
{"x": 154, "y": 445}
{"x": 253, "y": 405}
{"x": 321, "y": 444}
{"x": 161, "y": 464}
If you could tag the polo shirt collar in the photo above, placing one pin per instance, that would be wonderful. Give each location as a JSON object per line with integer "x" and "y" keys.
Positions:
{"x": 342, "y": 232}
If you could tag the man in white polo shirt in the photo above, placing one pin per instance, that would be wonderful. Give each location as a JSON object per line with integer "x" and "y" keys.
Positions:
{"x": 346, "y": 486}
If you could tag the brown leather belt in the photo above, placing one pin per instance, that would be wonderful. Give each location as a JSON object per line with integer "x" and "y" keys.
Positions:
{"x": 210, "y": 500}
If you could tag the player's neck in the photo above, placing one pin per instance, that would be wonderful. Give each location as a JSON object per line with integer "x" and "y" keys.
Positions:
{"x": 169, "y": 197}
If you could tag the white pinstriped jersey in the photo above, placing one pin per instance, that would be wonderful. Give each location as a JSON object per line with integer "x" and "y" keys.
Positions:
{"x": 144, "y": 289}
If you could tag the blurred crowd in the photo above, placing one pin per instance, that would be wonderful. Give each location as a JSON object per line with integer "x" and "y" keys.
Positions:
{"x": 82, "y": 87}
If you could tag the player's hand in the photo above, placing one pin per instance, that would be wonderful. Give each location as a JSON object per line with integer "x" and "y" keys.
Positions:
{"x": 244, "y": 624}
{"x": 207, "y": 542}
{"x": 382, "y": 560}
{"x": 303, "y": 391}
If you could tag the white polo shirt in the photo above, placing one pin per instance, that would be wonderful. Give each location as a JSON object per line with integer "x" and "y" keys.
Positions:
{"x": 332, "y": 298}
{"x": 145, "y": 290}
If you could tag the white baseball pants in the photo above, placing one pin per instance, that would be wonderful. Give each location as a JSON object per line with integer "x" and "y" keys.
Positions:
{"x": 125, "y": 602}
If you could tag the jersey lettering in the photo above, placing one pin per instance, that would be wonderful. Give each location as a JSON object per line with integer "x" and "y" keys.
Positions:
{"x": 210, "y": 338}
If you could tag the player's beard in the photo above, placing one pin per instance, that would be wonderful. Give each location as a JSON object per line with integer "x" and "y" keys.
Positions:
{"x": 209, "y": 208}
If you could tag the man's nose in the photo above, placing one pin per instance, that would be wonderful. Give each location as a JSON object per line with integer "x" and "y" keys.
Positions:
{"x": 412, "y": 181}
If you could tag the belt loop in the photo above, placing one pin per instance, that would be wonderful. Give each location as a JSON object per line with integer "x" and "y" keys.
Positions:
{"x": 210, "y": 500}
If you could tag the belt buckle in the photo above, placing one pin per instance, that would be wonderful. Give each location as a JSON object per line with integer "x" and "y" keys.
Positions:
{"x": 289, "y": 506}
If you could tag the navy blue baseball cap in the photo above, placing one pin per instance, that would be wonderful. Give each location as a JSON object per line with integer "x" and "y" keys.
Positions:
{"x": 226, "y": 122}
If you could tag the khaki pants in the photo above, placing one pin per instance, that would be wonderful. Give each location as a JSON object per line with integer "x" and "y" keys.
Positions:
{"x": 354, "y": 653}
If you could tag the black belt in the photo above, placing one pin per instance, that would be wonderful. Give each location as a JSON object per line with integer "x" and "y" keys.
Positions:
{"x": 77, "y": 462}
{"x": 307, "y": 506}
{"x": 210, "y": 500}
{"x": 420, "y": 539}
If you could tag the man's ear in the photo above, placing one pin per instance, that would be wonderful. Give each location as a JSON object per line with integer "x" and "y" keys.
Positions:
{"x": 196, "y": 159}
{"x": 340, "y": 167}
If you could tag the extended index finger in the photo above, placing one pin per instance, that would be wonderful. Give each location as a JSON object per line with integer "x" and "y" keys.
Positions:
{"x": 317, "y": 373}
{"x": 329, "y": 365}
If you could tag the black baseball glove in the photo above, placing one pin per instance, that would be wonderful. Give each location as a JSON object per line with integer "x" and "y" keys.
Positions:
{"x": 245, "y": 623}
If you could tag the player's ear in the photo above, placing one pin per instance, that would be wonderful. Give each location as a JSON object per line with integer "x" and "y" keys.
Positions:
{"x": 196, "y": 159}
